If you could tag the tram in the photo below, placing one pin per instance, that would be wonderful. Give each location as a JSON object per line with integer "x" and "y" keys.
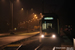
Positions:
{"x": 52, "y": 20}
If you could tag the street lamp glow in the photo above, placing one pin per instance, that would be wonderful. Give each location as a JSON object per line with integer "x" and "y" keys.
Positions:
{"x": 21, "y": 8}
{"x": 34, "y": 15}
{"x": 31, "y": 9}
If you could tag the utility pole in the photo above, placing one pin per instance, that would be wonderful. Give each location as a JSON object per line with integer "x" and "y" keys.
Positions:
{"x": 12, "y": 16}
{"x": 42, "y": 6}
{"x": 27, "y": 20}
{"x": 11, "y": 5}
{"x": 58, "y": 25}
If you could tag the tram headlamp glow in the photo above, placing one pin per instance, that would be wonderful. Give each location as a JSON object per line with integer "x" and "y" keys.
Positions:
{"x": 53, "y": 36}
{"x": 42, "y": 36}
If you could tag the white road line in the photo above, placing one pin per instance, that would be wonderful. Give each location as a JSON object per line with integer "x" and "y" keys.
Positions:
{"x": 37, "y": 47}
{"x": 53, "y": 48}
{"x": 19, "y": 46}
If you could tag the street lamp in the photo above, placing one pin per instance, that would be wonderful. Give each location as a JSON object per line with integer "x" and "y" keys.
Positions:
{"x": 22, "y": 9}
{"x": 27, "y": 20}
{"x": 11, "y": 4}
{"x": 34, "y": 15}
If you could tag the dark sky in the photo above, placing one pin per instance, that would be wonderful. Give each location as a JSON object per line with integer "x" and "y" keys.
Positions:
{"x": 63, "y": 8}
{"x": 48, "y": 4}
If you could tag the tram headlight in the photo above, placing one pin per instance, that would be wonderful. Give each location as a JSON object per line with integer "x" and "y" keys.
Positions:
{"x": 53, "y": 36}
{"x": 42, "y": 36}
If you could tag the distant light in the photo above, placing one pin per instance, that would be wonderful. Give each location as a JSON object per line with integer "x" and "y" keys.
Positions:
{"x": 40, "y": 13}
{"x": 14, "y": 28}
{"x": 48, "y": 18}
{"x": 24, "y": 22}
{"x": 42, "y": 16}
{"x": 31, "y": 9}
{"x": 21, "y": 8}
{"x": 34, "y": 15}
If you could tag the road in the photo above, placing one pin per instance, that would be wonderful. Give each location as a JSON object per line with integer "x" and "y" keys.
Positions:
{"x": 34, "y": 44}
{"x": 10, "y": 39}
{"x": 48, "y": 45}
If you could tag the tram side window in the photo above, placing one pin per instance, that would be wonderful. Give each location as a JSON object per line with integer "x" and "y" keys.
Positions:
{"x": 44, "y": 26}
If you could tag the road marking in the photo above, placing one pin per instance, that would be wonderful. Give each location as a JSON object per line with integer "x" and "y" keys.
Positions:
{"x": 53, "y": 48}
{"x": 37, "y": 47}
{"x": 13, "y": 45}
{"x": 19, "y": 46}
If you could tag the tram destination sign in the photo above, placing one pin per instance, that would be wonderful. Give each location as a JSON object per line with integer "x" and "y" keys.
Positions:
{"x": 48, "y": 18}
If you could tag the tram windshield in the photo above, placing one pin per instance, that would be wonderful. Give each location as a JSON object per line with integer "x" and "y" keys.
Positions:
{"x": 49, "y": 24}
{"x": 45, "y": 25}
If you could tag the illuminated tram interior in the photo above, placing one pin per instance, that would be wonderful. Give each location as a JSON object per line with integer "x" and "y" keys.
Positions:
{"x": 45, "y": 25}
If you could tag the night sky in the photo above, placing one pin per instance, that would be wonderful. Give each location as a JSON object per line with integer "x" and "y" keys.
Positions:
{"x": 63, "y": 8}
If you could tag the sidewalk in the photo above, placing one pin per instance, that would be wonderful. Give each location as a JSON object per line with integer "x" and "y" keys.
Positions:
{"x": 8, "y": 34}
{"x": 4, "y": 34}
{"x": 16, "y": 33}
{"x": 10, "y": 39}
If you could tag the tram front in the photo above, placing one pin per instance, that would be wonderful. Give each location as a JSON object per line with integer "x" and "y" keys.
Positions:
{"x": 49, "y": 27}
